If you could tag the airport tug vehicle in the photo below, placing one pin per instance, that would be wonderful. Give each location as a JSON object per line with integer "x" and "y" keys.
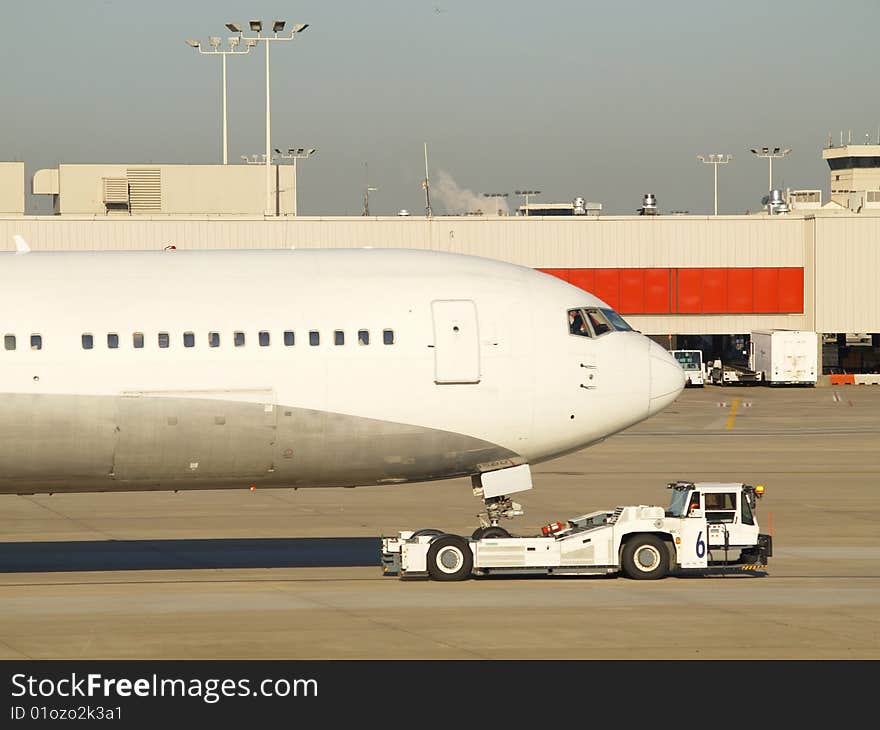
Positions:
{"x": 709, "y": 527}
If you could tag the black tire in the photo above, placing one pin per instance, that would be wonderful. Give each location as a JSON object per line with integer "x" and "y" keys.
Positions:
{"x": 645, "y": 557}
{"x": 450, "y": 558}
{"x": 427, "y": 531}
{"x": 494, "y": 531}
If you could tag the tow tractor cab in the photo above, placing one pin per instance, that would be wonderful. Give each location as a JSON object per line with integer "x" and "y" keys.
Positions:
{"x": 708, "y": 527}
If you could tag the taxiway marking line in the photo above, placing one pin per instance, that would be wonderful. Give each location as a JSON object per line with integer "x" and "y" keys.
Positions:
{"x": 732, "y": 415}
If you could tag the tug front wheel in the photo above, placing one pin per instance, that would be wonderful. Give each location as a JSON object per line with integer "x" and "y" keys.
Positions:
{"x": 491, "y": 531}
{"x": 450, "y": 558}
{"x": 645, "y": 557}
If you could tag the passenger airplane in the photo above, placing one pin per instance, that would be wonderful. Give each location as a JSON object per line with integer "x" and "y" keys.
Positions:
{"x": 306, "y": 368}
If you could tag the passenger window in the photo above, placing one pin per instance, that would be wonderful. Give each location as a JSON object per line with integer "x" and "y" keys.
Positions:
{"x": 112, "y": 340}
{"x": 189, "y": 339}
{"x": 264, "y": 338}
{"x": 213, "y": 339}
{"x": 88, "y": 342}
{"x": 238, "y": 339}
{"x": 36, "y": 342}
{"x": 314, "y": 338}
{"x": 577, "y": 325}
{"x": 164, "y": 340}
{"x": 363, "y": 337}
{"x": 338, "y": 337}
{"x": 388, "y": 337}
{"x": 9, "y": 342}
{"x": 137, "y": 340}
{"x": 288, "y": 338}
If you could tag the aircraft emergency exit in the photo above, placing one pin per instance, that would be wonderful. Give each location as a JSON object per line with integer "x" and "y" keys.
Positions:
{"x": 175, "y": 370}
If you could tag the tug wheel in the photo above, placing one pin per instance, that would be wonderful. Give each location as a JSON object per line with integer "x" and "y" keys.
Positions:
{"x": 645, "y": 558}
{"x": 493, "y": 531}
{"x": 450, "y": 558}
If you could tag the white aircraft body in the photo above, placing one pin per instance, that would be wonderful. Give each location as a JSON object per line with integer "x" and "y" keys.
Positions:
{"x": 306, "y": 368}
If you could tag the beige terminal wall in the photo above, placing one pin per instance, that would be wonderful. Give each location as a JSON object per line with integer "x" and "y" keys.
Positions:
{"x": 848, "y": 284}
{"x": 840, "y": 255}
{"x": 201, "y": 190}
{"x": 12, "y": 188}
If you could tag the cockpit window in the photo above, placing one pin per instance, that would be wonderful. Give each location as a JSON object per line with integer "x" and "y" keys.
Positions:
{"x": 593, "y": 322}
{"x": 577, "y": 323}
{"x": 600, "y": 322}
{"x": 618, "y": 322}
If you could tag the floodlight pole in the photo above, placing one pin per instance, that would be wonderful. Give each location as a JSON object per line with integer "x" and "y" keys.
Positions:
{"x": 496, "y": 196}
{"x": 225, "y": 134}
{"x": 769, "y": 153}
{"x": 525, "y": 194}
{"x": 215, "y": 43}
{"x": 291, "y": 154}
{"x": 715, "y": 160}
{"x": 277, "y": 26}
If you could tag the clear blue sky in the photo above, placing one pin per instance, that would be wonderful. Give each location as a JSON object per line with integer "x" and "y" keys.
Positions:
{"x": 602, "y": 100}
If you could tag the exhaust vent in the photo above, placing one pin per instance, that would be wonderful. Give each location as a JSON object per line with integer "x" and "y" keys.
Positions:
{"x": 145, "y": 189}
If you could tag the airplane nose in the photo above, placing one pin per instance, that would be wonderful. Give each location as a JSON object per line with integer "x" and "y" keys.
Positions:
{"x": 667, "y": 379}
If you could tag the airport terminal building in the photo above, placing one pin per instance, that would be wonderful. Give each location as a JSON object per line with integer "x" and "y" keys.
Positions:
{"x": 687, "y": 280}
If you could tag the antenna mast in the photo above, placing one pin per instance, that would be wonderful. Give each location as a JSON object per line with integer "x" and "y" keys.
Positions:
{"x": 426, "y": 185}
{"x": 367, "y": 191}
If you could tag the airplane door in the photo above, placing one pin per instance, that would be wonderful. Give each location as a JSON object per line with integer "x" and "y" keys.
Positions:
{"x": 456, "y": 341}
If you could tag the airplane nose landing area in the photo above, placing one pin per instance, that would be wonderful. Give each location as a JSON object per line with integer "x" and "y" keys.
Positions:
{"x": 667, "y": 379}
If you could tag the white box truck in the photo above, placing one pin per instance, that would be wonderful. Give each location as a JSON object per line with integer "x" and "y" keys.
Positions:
{"x": 785, "y": 357}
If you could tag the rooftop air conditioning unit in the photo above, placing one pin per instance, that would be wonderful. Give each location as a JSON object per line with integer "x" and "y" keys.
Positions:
{"x": 649, "y": 205}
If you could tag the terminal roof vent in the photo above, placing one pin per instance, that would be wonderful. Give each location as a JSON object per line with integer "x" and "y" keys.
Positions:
{"x": 115, "y": 193}
{"x": 145, "y": 189}
{"x": 649, "y": 205}
{"x": 776, "y": 204}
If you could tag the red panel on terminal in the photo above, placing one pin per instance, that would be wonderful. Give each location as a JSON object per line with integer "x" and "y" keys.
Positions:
{"x": 739, "y": 291}
{"x": 714, "y": 291}
{"x": 689, "y": 291}
{"x": 607, "y": 286}
{"x": 791, "y": 290}
{"x": 632, "y": 291}
{"x": 766, "y": 290}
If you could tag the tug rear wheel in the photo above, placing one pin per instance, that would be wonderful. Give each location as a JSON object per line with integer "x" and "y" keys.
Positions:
{"x": 450, "y": 558}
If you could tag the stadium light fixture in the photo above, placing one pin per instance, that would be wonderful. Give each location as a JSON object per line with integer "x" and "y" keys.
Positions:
{"x": 770, "y": 155}
{"x": 257, "y": 27}
{"x": 214, "y": 41}
{"x": 715, "y": 160}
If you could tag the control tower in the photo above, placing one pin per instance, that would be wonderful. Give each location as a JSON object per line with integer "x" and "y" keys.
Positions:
{"x": 855, "y": 174}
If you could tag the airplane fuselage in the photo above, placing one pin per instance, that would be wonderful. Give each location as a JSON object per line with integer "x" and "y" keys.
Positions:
{"x": 308, "y": 368}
